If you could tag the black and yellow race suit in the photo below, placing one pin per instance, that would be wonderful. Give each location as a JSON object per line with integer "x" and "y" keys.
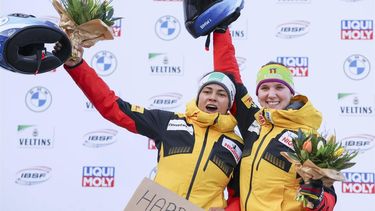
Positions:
{"x": 268, "y": 181}
{"x": 197, "y": 151}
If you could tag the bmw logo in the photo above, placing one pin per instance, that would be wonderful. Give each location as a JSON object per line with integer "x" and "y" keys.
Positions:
{"x": 167, "y": 28}
{"x": 38, "y": 99}
{"x": 357, "y": 67}
{"x": 104, "y": 63}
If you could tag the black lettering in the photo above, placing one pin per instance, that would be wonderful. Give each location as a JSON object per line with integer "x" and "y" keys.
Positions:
{"x": 22, "y": 141}
{"x": 146, "y": 199}
{"x": 89, "y": 105}
{"x": 160, "y": 206}
{"x": 171, "y": 207}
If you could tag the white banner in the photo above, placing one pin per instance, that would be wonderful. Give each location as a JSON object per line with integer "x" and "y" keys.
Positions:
{"x": 58, "y": 153}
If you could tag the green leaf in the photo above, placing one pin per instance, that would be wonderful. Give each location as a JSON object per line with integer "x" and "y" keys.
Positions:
{"x": 82, "y": 11}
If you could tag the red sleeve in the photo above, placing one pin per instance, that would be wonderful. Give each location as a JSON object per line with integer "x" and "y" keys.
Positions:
{"x": 224, "y": 55}
{"x": 100, "y": 95}
{"x": 327, "y": 204}
{"x": 233, "y": 201}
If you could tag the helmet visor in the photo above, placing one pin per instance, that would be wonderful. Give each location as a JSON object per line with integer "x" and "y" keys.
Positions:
{"x": 193, "y": 8}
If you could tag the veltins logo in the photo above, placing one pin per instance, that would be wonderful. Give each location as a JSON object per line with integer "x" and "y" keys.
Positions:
{"x": 292, "y": 29}
{"x": 238, "y": 29}
{"x": 99, "y": 138}
{"x": 32, "y": 136}
{"x": 357, "y": 67}
{"x": 360, "y": 143}
{"x": 165, "y": 101}
{"x": 167, "y": 28}
{"x": 104, "y": 63}
{"x": 357, "y": 30}
{"x": 353, "y": 104}
{"x": 299, "y": 66}
{"x": 38, "y": 99}
{"x": 98, "y": 176}
{"x": 165, "y": 64}
{"x": 358, "y": 182}
{"x": 33, "y": 176}
{"x": 89, "y": 106}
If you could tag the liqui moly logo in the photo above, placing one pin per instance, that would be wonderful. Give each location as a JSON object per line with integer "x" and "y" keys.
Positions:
{"x": 299, "y": 66}
{"x": 98, "y": 176}
{"x": 358, "y": 182}
{"x": 357, "y": 30}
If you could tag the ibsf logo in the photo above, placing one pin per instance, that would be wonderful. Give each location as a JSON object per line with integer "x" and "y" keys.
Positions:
{"x": 98, "y": 176}
{"x": 358, "y": 182}
{"x": 299, "y": 66}
{"x": 292, "y": 29}
{"x": 33, "y": 176}
{"x": 38, "y": 99}
{"x": 357, "y": 67}
{"x": 167, "y": 27}
{"x": 116, "y": 28}
{"x": 104, "y": 63}
{"x": 165, "y": 101}
{"x": 357, "y": 30}
{"x": 359, "y": 143}
{"x": 100, "y": 138}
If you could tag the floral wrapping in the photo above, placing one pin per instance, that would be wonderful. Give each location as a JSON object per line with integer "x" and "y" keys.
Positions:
{"x": 86, "y": 34}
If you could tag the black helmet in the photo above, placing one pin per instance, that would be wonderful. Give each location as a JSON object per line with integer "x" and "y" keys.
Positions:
{"x": 22, "y": 44}
{"x": 205, "y": 16}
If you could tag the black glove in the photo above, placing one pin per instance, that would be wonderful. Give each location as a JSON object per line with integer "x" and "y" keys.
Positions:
{"x": 313, "y": 192}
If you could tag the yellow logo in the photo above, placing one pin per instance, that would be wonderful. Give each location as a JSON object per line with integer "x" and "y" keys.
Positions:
{"x": 247, "y": 100}
{"x": 138, "y": 109}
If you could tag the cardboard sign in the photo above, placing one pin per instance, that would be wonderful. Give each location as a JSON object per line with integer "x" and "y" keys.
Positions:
{"x": 150, "y": 196}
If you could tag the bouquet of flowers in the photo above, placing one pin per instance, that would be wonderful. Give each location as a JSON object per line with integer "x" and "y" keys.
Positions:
{"x": 319, "y": 158}
{"x": 85, "y": 21}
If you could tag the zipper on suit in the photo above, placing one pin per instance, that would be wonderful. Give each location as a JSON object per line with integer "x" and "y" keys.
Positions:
{"x": 252, "y": 166}
{"x": 206, "y": 164}
{"x": 198, "y": 162}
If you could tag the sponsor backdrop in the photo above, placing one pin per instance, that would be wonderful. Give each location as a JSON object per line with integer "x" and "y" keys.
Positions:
{"x": 58, "y": 153}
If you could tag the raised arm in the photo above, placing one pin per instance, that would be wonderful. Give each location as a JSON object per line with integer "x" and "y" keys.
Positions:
{"x": 225, "y": 61}
{"x": 224, "y": 55}
{"x": 132, "y": 117}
